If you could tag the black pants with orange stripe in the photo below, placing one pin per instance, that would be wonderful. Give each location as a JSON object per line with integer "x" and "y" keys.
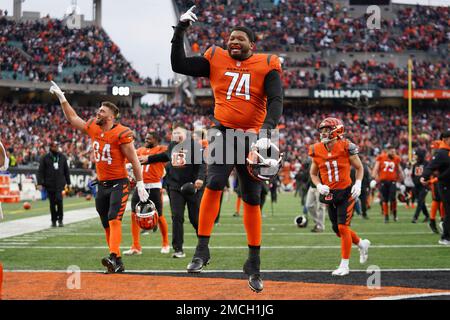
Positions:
{"x": 341, "y": 213}
{"x": 111, "y": 200}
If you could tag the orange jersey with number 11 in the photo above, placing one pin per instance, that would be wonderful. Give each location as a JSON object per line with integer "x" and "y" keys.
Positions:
{"x": 238, "y": 87}
{"x": 334, "y": 165}
{"x": 109, "y": 159}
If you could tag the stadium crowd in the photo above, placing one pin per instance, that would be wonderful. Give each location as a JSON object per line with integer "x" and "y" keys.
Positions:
{"x": 31, "y": 128}
{"x": 312, "y": 25}
{"x": 43, "y": 49}
{"x": 361, "y": 74}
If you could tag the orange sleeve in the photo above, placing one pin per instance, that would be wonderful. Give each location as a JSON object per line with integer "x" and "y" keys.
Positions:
{"x": 126, "y": 136}
{"x": 209, "y": 53}
{"x": 89, "y": 126}
{"x": 275, "y": 64}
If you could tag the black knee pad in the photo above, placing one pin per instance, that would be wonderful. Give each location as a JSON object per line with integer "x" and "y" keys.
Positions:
{"x": 253, "y": 199}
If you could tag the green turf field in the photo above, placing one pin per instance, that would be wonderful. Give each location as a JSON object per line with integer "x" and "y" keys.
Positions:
{"x": 400, "y": 245}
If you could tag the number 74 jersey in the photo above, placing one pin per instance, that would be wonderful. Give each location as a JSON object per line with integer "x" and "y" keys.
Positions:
{"x": 238, "y": 87}
{"x": 109, "y": 159}
{"x": 334, "y": 165}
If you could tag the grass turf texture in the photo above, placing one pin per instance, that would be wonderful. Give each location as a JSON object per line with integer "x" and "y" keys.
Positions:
{"x": 284, "y": 247}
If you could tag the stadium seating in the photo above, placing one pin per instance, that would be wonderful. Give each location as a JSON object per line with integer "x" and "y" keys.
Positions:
{"x": 45, "y": 49}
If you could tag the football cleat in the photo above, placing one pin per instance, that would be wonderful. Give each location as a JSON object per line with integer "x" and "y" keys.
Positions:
{"x": 196, "y": 265}
{"x": 341, "y": 271}
{"x": 251, "y": 269}
{"x": 444, "y": 242}
{"x": 179, "y": 255}
{"x": 133, "y": 252}
{"x": 165, "y": 249}
{"x": 113, "y": 264}
{"x": 363, "y": 250}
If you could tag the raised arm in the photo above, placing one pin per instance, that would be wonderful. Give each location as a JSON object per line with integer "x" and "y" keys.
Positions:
{"x": 69, "y": 112}
{"x": 190, "y": 66}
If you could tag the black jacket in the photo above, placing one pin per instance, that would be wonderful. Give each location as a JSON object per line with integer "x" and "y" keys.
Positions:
{"x": 440, "y": 163}
{"x": 53, "y": 173}
{"x": 417, "y": 171}
{"x": 195, "y": 169}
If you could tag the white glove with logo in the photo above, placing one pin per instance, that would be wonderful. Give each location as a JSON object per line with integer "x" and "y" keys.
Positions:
{"x": 323, "y": 189}
{"x": 54, "y": 89}
{"x": 143, "y": 194}
{"x": 373, "y": 184}
{"x": 263, "y": 144}
{"x": 356, "y": 189}
{"x": 189, "y": 16}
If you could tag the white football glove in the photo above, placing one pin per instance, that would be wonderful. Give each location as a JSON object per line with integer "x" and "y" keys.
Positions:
{"x": 189, "y": 16}
{"x": 263, "y": 144}
{"x": 402, "y": 188}
{"x": 373, "y": 184}
{"x": 54, "y": 89}
{"x": 323, "y": 189}
{"x": 356, "y": 189}
{"x": 143, "y": 194}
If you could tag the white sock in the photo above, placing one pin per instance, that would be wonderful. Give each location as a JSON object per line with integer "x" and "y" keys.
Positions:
{"x": 360, "y": 244}
{"x": 344, "y": 263}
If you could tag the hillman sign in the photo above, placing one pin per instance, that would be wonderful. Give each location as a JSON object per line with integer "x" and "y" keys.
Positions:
{"x": 342, "y": 94}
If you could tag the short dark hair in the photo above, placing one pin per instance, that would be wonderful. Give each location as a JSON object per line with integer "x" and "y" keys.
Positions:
{"x": 250, "y": 34}
{"x": 155, "y": 135}
{"x": 111, "y": 106}
{"x": 179, "y": 125}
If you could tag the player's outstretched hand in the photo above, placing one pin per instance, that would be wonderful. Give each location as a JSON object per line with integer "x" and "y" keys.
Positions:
{"x": 189, "y": 16}
{"x": 56, "y": 90}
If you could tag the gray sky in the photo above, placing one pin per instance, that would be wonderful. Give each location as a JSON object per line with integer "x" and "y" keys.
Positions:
{"x": 141, "y": 28}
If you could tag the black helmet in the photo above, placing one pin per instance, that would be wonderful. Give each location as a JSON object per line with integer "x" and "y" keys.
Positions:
{"x": 188, "y": 189}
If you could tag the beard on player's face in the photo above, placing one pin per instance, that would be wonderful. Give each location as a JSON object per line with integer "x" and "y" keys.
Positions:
{"x": 239, "y": 46}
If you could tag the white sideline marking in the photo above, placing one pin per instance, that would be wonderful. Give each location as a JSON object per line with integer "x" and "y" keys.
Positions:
{"x": 409, "y": 296}
{"x": 6, "y": 246}
{"x": 236, "y": 271}
{"x": 264, "y": 233}
{"x": 42, "y": 223}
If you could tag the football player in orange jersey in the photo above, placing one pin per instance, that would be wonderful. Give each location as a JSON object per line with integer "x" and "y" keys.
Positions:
{"x": 248, "y": 96}
{"x": 387, "y": 172}
{"x": 112, "y": 145}
{"x": 332, "y": 159}
{"x": 153, "y": 175}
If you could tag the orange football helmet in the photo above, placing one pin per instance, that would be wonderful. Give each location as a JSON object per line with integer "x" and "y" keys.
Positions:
{"x": 331, "y": 129}
{"x": 147, "y": 215}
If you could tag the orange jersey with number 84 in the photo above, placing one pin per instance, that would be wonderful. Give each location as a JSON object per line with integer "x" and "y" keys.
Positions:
{"x": 109, "y": 159}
